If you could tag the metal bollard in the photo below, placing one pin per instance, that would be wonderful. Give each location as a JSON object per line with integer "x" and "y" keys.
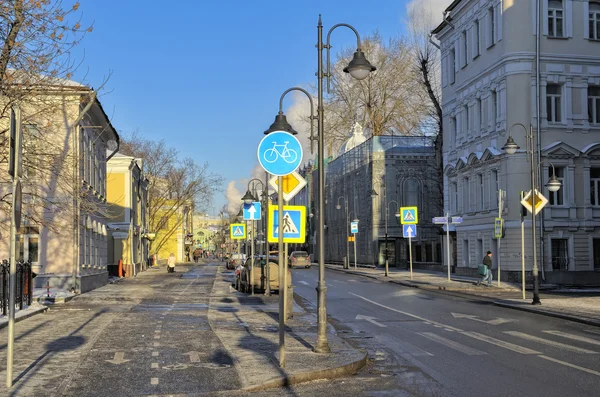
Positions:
{"x": 290, "y": 303}
{"x": 48, "y": 288}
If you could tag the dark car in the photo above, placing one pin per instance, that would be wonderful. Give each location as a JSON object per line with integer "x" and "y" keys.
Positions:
{"x": 299, "y": 259}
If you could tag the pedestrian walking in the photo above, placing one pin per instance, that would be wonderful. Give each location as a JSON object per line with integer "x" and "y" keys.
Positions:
{"x": 171, "y": 263}
{"x": 487, "y": 261}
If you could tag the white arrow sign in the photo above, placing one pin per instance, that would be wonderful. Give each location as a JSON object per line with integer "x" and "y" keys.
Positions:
{"x": 252, "y": 211}
{"x": 194, "y": 356}
{"x": 496, "y": 321}
{"x": 118, "y": 359}
{"x": 371, "y": 320}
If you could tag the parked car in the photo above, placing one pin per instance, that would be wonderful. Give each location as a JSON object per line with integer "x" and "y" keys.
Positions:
{"x": 299, "y": 259}
{"x": 235, "y": 260}
{"x": 260, "y": 277}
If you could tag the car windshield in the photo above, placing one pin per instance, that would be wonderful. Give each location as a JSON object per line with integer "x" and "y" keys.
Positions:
{"x": 300, "y": 254}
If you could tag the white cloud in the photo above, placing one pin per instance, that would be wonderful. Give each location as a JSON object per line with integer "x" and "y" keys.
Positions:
{"x": 433, "y": 8}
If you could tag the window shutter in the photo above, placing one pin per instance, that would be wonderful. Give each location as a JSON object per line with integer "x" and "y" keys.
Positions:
{"x": 569, "y": 17}
{"x": 586, "y": 18}
{"x": 544, "y": 17}
{"x": 498, "y": 15}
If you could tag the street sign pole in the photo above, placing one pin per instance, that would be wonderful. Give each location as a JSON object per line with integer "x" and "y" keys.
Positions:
{"x": 410, "y": 255}
{"x": 267, "y": 270}
{"x": 522, "y": 248}
{"x": 252, "y": 255}
{"x": 285, "y": 258}
{"x": 499, "y": 239}
{"x": 282, "y": 275}
{"x": 448, "y": 241}
{"x": 354, "y": 250}
{"x": 14, "y": 226}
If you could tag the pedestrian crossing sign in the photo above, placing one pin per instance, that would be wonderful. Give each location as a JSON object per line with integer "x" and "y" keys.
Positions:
{"x": 237, "y": 231}
{"x": 410, "y": 215}
{"x": 293, "y": 226}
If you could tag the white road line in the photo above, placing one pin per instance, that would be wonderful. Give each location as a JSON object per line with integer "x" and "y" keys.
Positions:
{"x": 154, "y": 381}
{"x": 157, "y": 331}
{"x": 589, "y": 371}
{"x": 405, "y": 313}
{"x": 303, "y": 282}
{"x": 154, "y": 354}
{"x": 500, "y": 343}
{"x": 549, "y": 342}
{"x": 452, "y": 344}
{"x": 154, "y": 365}
{"x": 574, "y": 337}
{"x": 156, "y": 336}
{"x": 156, "y": 344}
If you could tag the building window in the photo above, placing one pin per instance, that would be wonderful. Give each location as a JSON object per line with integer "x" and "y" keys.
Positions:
{"x": 31, "y": 137}
{"x": 476, "y": 40}
{"x": 454, "y": 199}
{"x": 454, "y": 129}
{"x": 558, "y": 197}
{"x": 481, "y": 125}
{"x": 560, "y": 253}
{"x": 594, "y": 104}
{"x": 594, "y": 20}
{"x": 481, "y": 190}
{"x": 594, "y": 186}
{"x": 596, "y": 244}
{"x": 494, "y": 186}
{"x": 553, "y": 103}
{"x": 466, "y": 194}
{"x": 465, "y": 48}
{"x": 491, "y": 27}
{"x": 411, "y": 192}
{"x": 466, "y": 123}
{"x": 453, "y": 68}
{"x": 494, "y": 109}
{"x": 555, "y": 18}
{"x": 466, "y": 252}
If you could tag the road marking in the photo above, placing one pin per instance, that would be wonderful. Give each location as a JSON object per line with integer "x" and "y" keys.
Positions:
{"x": 194, "y": 356}
{"x": 549, "y": 342}
{"x": 411, "y": 349}
{"x": 154, "y": 381}
{"x": 156, "y": 344}
{"x": 156, "y": 336}
{"x": 119, "y": 358}
{"x": 496, "y": 321}
{"x": 154, "y": 354}
{"x": 405, "y": 313}
{"x": 303, "y": 282}
{"x": 452, "y": 344}
{"x": 589, "y": 371}
{"x": 154, "y": 365}
{"x": 500, "y": 343}
{"x": 353, "y": 280}
{"x": 574, "y": 337}
{"x": 157, "y": 331}
{"x": 371, "y": 320}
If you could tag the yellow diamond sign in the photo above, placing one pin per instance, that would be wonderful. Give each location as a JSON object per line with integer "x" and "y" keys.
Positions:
{"x": 291, "y": 185}
{"x": 540, "y": 201}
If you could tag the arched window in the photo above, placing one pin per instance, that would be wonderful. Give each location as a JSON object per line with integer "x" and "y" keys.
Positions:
{"x": 411, "y": 192}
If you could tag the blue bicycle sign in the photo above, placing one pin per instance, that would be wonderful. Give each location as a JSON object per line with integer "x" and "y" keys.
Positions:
{"x": 279, "y": 153}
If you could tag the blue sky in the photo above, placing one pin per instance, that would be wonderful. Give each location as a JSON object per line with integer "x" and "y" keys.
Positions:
{"x": 207, "y": 75}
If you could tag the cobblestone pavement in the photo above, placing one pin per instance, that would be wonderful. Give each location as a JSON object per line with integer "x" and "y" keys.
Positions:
{"x": 142, "y": 336}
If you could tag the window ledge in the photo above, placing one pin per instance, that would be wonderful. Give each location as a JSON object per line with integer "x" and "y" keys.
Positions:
{"x": 558, "y": 37}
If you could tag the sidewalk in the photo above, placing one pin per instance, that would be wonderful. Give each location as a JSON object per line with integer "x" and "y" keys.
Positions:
{"x": 248, "y": 328}
{"x": 576, "y": 305}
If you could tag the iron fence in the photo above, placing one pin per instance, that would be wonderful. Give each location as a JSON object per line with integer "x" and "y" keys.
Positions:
{"x": 24, "y": 284}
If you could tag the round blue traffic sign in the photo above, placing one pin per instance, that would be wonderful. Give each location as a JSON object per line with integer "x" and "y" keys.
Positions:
{"x": 279, "y": 153}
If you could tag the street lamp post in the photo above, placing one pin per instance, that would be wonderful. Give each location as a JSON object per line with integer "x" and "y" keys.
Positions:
{"x": 553, "y": 185}
{"x": 338, "y": 206}
{"x": 359, "y": 68}
{"x": 387, "y": 209}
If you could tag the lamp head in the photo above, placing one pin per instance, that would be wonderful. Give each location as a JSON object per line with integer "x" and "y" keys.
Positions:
{"x": 510, "y": 146}
{"x": 248, "y": 198}
{"x": 355, "y": 220}
{"x": 359, "y": 67}
{"x": 337, "y": 207}
{"x": 373, "y": 193}
{"x": 397, "y": 214}
{"x": 553, "y": 184}
{"x": 281, "y": 124}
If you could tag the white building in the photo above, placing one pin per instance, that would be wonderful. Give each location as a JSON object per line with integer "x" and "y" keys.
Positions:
{"x": 490, "y": 82}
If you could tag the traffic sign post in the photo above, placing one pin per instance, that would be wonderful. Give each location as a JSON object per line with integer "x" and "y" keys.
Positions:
{"x": 293, "y": 224}
{"x": 279, "y": 153}
{"x": 237, "y": 231}
{"x": 252, "y": 211}
{"x": 410, "y": 231}
{"x": 409, "y": 215}
{"x": 498, "y": 225}
{"x": 292, "y": 184}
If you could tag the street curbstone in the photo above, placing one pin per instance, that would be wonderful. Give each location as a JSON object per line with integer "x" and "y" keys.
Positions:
{"x": 549, "y": 313}
{"x": 308, "y": 376}
{"x": 22, "y": 315}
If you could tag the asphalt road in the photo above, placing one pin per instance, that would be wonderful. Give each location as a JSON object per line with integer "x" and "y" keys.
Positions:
{"x": 439, "y": 344}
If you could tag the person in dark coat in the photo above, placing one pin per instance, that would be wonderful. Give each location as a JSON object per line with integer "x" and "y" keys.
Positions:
{"x": 487, "y": 261}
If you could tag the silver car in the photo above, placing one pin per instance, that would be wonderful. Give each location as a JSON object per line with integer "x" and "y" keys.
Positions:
{"x": 299, "y": 259}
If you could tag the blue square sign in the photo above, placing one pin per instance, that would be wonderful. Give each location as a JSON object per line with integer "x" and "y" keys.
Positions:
{"x": 409, "y": 231}
{"x": 252, "y": 211}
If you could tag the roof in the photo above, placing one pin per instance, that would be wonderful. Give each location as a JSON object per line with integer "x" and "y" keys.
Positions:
{"x": 442, "y": 25}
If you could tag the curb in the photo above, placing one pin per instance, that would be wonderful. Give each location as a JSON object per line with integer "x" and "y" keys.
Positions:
{"x": 44, "y": 300}
{"x": 301, "y": 377}
{"x": 39, "y": 310}
{"x": 562, "y": 316}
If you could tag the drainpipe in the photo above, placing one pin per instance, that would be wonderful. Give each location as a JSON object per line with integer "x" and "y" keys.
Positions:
{"x": 538, "y": 123}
